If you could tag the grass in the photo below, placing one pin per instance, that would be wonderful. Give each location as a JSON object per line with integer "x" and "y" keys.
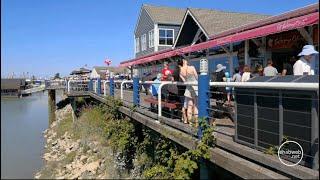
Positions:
{"x": 70, "y": 157}
{"x": 64, "y": 125}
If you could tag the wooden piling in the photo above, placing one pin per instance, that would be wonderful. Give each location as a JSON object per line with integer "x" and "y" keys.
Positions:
{"x": 52, "y": 105}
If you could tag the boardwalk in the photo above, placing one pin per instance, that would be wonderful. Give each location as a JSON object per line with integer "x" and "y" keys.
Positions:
{"x": 242, "y": 160}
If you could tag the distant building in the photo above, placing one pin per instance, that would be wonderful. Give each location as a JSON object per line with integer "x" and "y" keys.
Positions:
{"x": 102, "y": 72}
{"x": 81, "y": 73}
{"x": 12, "y": 87}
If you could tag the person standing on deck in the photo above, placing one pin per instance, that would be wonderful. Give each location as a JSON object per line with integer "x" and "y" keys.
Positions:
{"x": 246, "y": 74}
{"x": 270, "y": 70}
{"x": 181, "y": 89}
{"x": 189, "y": 74}
{"x": 288, "y": 67}
{"x": 228, "y": 89}
{"x": 303, "y": 66}
{"x": 166, "y": 72}
{"x": 236, "y": 77}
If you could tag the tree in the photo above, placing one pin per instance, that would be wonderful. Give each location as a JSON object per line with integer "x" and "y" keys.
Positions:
{"x": 57, "y": 76}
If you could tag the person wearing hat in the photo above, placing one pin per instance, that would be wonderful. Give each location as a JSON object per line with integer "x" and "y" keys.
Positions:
{"x": 218, "y": 76}
{"x": 219, "y": 73}
{"x": 303, "y": 66}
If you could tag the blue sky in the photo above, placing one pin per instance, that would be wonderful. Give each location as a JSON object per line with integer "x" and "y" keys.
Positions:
{"x": 43, "y": 37}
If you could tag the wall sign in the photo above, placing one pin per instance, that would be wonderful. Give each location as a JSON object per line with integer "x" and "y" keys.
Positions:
{"x": 286, "y": 40}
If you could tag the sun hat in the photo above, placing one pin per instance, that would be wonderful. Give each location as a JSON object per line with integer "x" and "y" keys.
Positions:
{"x": 308, "y": 50}
{"x": 220, "y": 67}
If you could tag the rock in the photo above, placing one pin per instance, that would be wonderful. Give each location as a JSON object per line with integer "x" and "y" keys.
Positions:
{"x": 54, "y": 143}
{"x": 37, "y": 176}
{"x": 92, "y": 167}
{"x": 83, "y": 158}
{"x": 69, "y": 167}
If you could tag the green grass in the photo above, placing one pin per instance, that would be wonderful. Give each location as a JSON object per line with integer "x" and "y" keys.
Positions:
{"x": 64, "y": 125}
{"x": 70, "y": 157}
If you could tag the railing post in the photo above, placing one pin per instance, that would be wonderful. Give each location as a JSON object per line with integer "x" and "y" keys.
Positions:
{"x": 203, "y": 105}
{"x": 203, "y": 95}
{"x": 121, "y": 89}
{"x": 203, "y": 100}
{"x": 90, "y": 86}
{"x": 99, "y": 86}
{"x": 105, "y": 88}
{"x": 136, "y": 95}
{"x": 111, "y": 86}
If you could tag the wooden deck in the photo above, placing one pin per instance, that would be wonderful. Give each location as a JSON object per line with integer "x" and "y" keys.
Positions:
{"x": 239, "y": 159}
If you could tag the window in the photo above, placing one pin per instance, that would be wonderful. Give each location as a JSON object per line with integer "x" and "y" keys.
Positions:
{"x": 143, "y": 42}
{"x": 166, "y": 36}
{"x": 151, "y": 38}
{"x": 137, "y": 45}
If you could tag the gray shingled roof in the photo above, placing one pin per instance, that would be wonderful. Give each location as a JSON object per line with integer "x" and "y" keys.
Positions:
{"x": 165, "y": 15}
{"x": 215, "y": 21}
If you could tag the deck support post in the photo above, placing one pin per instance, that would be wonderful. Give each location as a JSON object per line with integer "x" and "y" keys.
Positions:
{"x": 111, "y": 88}
{"x": 74, "y": 109}
{"x": 52, "y": 105}
{"x": 136, "y": 96}
{"x": 99, "y": 86}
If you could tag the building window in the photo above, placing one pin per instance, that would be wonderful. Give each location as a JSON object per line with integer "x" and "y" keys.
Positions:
{"x": 137, "y": 45}
{"x": 151, "y": 38}
{"x": 166, "y": 36}
{"x": 143, "y": 42}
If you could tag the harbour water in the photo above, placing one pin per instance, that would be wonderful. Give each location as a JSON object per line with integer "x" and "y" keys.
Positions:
{"x": 22, "y": 122}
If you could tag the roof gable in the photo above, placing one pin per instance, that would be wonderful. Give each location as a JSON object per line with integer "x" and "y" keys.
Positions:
{"x": 214, "y": 21}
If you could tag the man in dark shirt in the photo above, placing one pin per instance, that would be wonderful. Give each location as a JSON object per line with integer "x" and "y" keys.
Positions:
{"x": 288, "y": 67}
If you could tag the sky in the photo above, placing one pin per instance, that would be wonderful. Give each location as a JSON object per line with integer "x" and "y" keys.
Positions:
{"x": 44, "y": 37}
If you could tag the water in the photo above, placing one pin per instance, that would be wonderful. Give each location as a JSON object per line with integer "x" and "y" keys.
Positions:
{"x": 22, "y": 144}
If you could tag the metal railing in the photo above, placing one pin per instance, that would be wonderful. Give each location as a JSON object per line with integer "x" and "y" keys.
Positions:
{"x": 249, "y": 106}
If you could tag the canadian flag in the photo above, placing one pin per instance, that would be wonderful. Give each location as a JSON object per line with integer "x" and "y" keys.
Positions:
{"x": 107, "y": 61}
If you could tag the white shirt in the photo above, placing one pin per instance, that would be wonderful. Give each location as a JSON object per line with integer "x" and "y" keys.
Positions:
{"x": 302, "y": 66}
{"x": 245, "y": 76}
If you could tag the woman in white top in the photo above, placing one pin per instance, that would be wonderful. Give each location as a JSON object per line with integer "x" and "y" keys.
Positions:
{"x": 303, "y": 65}
{"x": 246, "y": 75}
{"x": 189, "y": 74}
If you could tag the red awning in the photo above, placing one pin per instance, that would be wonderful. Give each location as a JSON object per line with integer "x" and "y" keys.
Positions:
{"x": 262, "y": 31}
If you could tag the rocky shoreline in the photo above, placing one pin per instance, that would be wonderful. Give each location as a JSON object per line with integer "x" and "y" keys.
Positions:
{"x": 68, "y": 158}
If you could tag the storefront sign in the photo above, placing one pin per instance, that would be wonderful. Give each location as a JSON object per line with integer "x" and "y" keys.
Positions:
{"x": 284, "y": 40}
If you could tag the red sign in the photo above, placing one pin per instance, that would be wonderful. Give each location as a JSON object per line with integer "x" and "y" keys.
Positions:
{"x": 284, "y": 40}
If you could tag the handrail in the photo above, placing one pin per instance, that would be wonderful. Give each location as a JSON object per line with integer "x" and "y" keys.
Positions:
{"x": 172, "y": 83}
{"x": 273, "y": 85}
{"x": 121, "y": 87}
